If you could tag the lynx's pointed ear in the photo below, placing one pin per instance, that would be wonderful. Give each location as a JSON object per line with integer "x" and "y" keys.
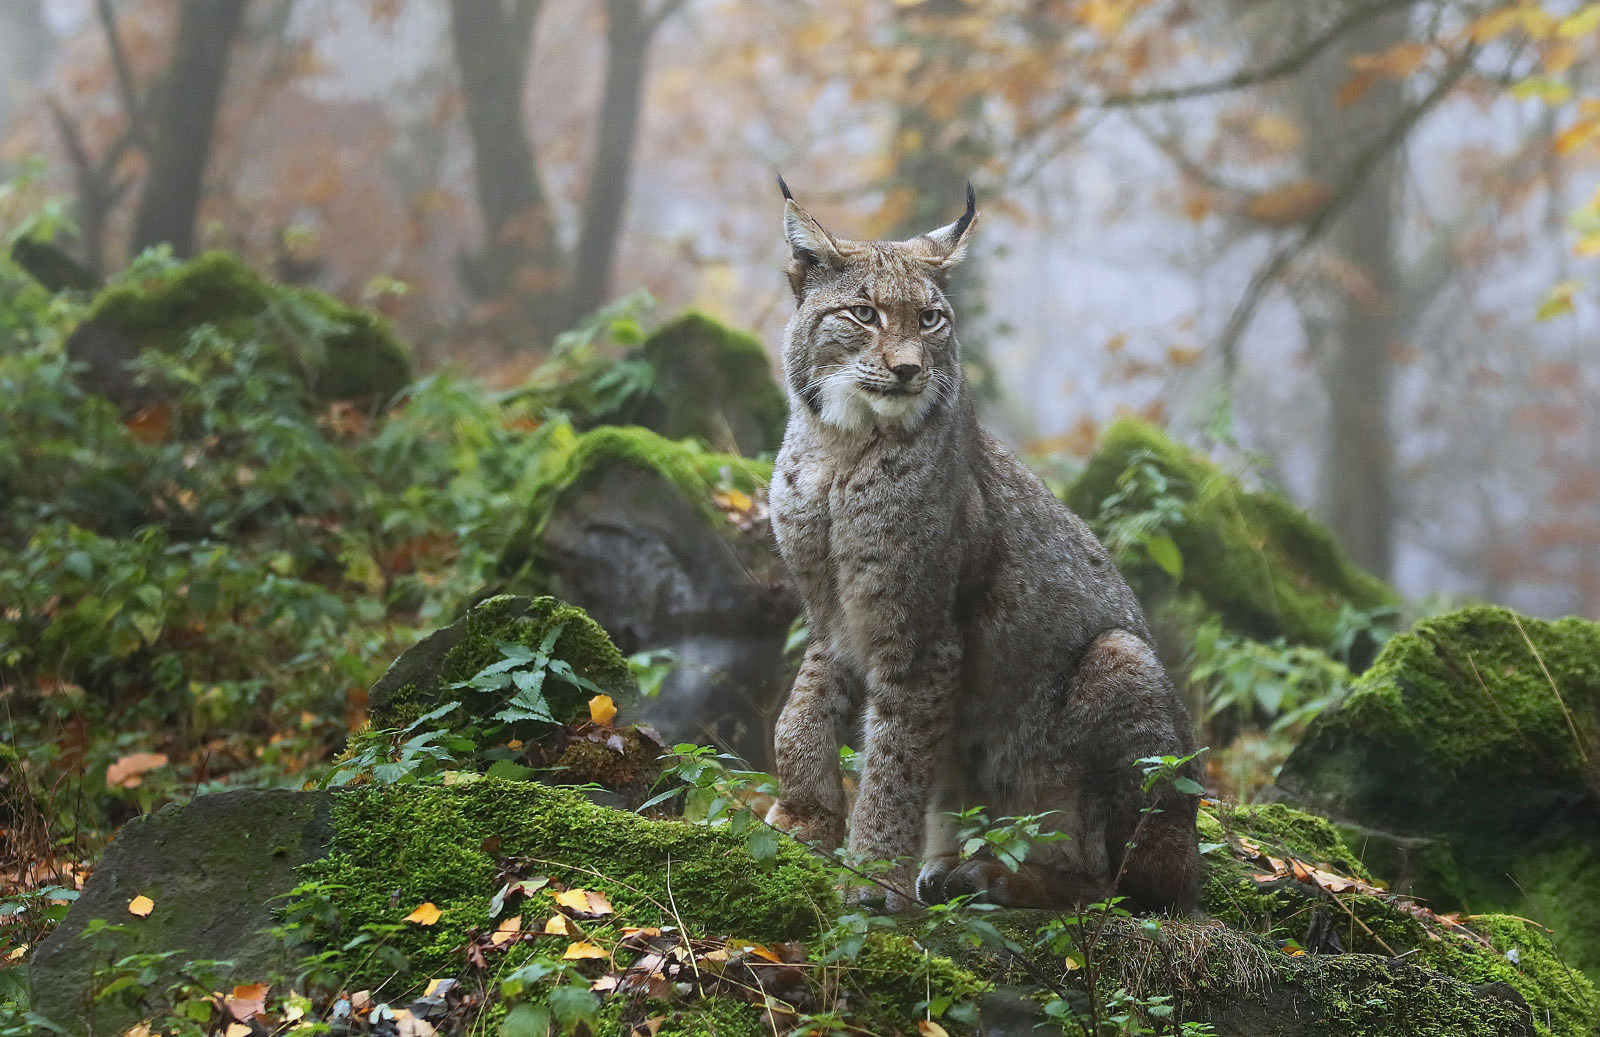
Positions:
{"x": 810, "y": 247}
{"x": 950, "y": 241}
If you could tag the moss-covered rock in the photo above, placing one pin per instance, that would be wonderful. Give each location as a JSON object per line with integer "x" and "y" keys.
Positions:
{"x": 420, "y": 680}
{"x": 213, "y": 871}
{"x": 667, "y": 545}
{"x": 696, "y": 377}
{"x": 339, "y": 351}
{"x": 1471, "y": 749}
{"x": 1252, "y": 557}
{"x": 1328, "y": 953}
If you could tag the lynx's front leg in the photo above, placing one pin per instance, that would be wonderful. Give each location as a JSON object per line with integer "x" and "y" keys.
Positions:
{"x": 908, "y": 712}
{"x": 807, "y": 743}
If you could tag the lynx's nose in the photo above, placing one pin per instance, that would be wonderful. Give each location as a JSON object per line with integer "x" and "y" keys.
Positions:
{"x": 906, "y": 372}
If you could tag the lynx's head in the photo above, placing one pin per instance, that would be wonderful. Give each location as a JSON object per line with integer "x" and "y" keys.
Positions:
{"x": 872, "y": 343}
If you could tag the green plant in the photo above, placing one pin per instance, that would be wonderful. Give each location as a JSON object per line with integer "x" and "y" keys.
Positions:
{"x": 1139, "y": 516}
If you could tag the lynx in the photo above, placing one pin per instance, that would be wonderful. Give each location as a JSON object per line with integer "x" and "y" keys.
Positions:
{"x": 973, "y": 625}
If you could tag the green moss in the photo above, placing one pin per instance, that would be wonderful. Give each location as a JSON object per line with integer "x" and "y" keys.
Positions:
{"x": 400, "y": 846}
{"x": 1479, "y": 730}
{"x": 342, "y": 352}
{"x": 573, "y": 458}
{"x": 1254, "y": 558}
{"x": 693, "y": 377}
{"x": 713, "y": 382}
{"x": 421, "y": 678}
{"x": 1370, "y": 925}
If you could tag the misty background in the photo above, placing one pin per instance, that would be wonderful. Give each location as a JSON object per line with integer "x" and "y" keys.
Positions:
{"x": 1347, "y": 247}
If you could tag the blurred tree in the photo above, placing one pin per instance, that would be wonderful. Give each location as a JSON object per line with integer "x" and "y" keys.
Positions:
{"x": 184, "y": 117}
{"x": 493, "y": 40}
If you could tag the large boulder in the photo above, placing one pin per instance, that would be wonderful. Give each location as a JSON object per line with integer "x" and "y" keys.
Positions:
{"x": 213, "y": 871}
{"x": 1251, "y": 557}
{"x": 402, "y": 885}
{"x": 1468, "y": 760}
{"x": 337, "y": 351}
{"x": 667, "y": 545}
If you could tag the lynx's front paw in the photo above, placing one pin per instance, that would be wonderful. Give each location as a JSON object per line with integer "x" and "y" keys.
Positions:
{"x": 1034, "y": 885}
{"x": 931, "y": 879}
{"x": 822, "y": 829}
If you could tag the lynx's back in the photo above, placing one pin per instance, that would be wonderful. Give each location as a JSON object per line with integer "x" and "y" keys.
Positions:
{"x": 977, "y": 630}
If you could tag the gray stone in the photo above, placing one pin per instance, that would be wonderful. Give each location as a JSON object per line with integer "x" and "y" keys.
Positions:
{"x": 214, "y": 869}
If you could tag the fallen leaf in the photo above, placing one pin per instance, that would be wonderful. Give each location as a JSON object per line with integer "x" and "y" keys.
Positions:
{"x": 127, "y": 772}
{"x": 361, "y": 1001}
{"x": 506, "y": 931}
{"x": 605, "y": 984}
{"x": 584, "y": 902}
{"x": 581, "y": 949}
{"x": 238, "y": 1030}
{"x": 559, "y": 926}
{"x": 929, "y": 1028}
{"x": 141, "y": 905}
{"x": 151, "y": 424}
{"x": 141, "y": 1030}
{"x": 602, "y": 709}
{"x": 425, "y": 914}
{"x": 649, "y": 1027}
{"x": 247, "y": 1001}
{"x": 438, "y": 987}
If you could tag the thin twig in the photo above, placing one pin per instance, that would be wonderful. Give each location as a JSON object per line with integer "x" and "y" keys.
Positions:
{"x": 1577, "y": 739}
{"x": 124, "y": 71}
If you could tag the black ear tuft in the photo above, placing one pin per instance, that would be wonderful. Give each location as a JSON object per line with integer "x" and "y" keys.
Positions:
{"x": 972, "y": 210}
{"x": 789, "y": 197}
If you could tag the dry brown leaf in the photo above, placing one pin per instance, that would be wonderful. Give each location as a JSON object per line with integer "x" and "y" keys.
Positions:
{"x": 141, "y": 905}
{"x": 140, "y": 1030}
{"x": 238, "y": 1030}
{"x": 247, "y": 1001}
{"x": 151, "y": 424}
{"x": 425, "y": 914}
{"x": 602, "y": 709}
{"x": 361, "y": 1001}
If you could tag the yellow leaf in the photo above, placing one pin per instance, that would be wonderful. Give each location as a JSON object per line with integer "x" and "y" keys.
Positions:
{"x": 141, "y": 1030}
{"x": 425, "y": 914}
{"x": 1584, "y": 23}
{"x": 580, "y": 950}
{"x": 559, "y": 926}
{"x": 141, "y": 905}
{"x": 929, "y": 1028}
{"x": 585, "y": 901}
{"x": 733, "y": 500}
{"x": 602, "y": 709}
{"x": 506, "y": 931}
{"x": 1558, "y": 301}
{"x": 435, "y": 984}
{"x": 1494, "y": 25}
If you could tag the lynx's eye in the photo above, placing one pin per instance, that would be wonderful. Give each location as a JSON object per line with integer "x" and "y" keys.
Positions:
{"x": 864, "y": 313}
{"x": 932, "y": 318}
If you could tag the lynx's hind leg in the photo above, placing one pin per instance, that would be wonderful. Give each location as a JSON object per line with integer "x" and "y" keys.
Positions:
{"x": 1122, "y": 694}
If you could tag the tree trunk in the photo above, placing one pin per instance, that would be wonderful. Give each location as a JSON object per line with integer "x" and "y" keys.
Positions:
{"x": 492, "y": 44}
{"x": 186, "y": 117}
{"x": 628, "y": 33}
{"x": 1358, "y": 496}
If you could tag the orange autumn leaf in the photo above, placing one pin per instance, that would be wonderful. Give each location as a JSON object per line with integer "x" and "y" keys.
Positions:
{"x": 141, "y": 905}
{"x": 127, "y": 772}
{"x": 581, "y": 949}
{"x": 602, "y": 709}
{"x": 425, "y": 914}
{"x": 247, "y": 1001}
{"x": 151, "y": 424}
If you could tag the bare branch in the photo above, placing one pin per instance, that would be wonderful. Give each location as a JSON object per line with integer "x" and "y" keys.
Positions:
{"x": 1355, "y": 175}
{"x": 124, "y": 70}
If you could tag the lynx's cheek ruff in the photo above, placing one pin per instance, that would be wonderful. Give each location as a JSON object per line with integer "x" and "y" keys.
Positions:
{"x": 852, "y": 404}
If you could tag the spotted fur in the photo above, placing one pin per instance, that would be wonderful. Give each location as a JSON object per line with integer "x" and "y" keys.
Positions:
{"x": 970, "y": 624}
